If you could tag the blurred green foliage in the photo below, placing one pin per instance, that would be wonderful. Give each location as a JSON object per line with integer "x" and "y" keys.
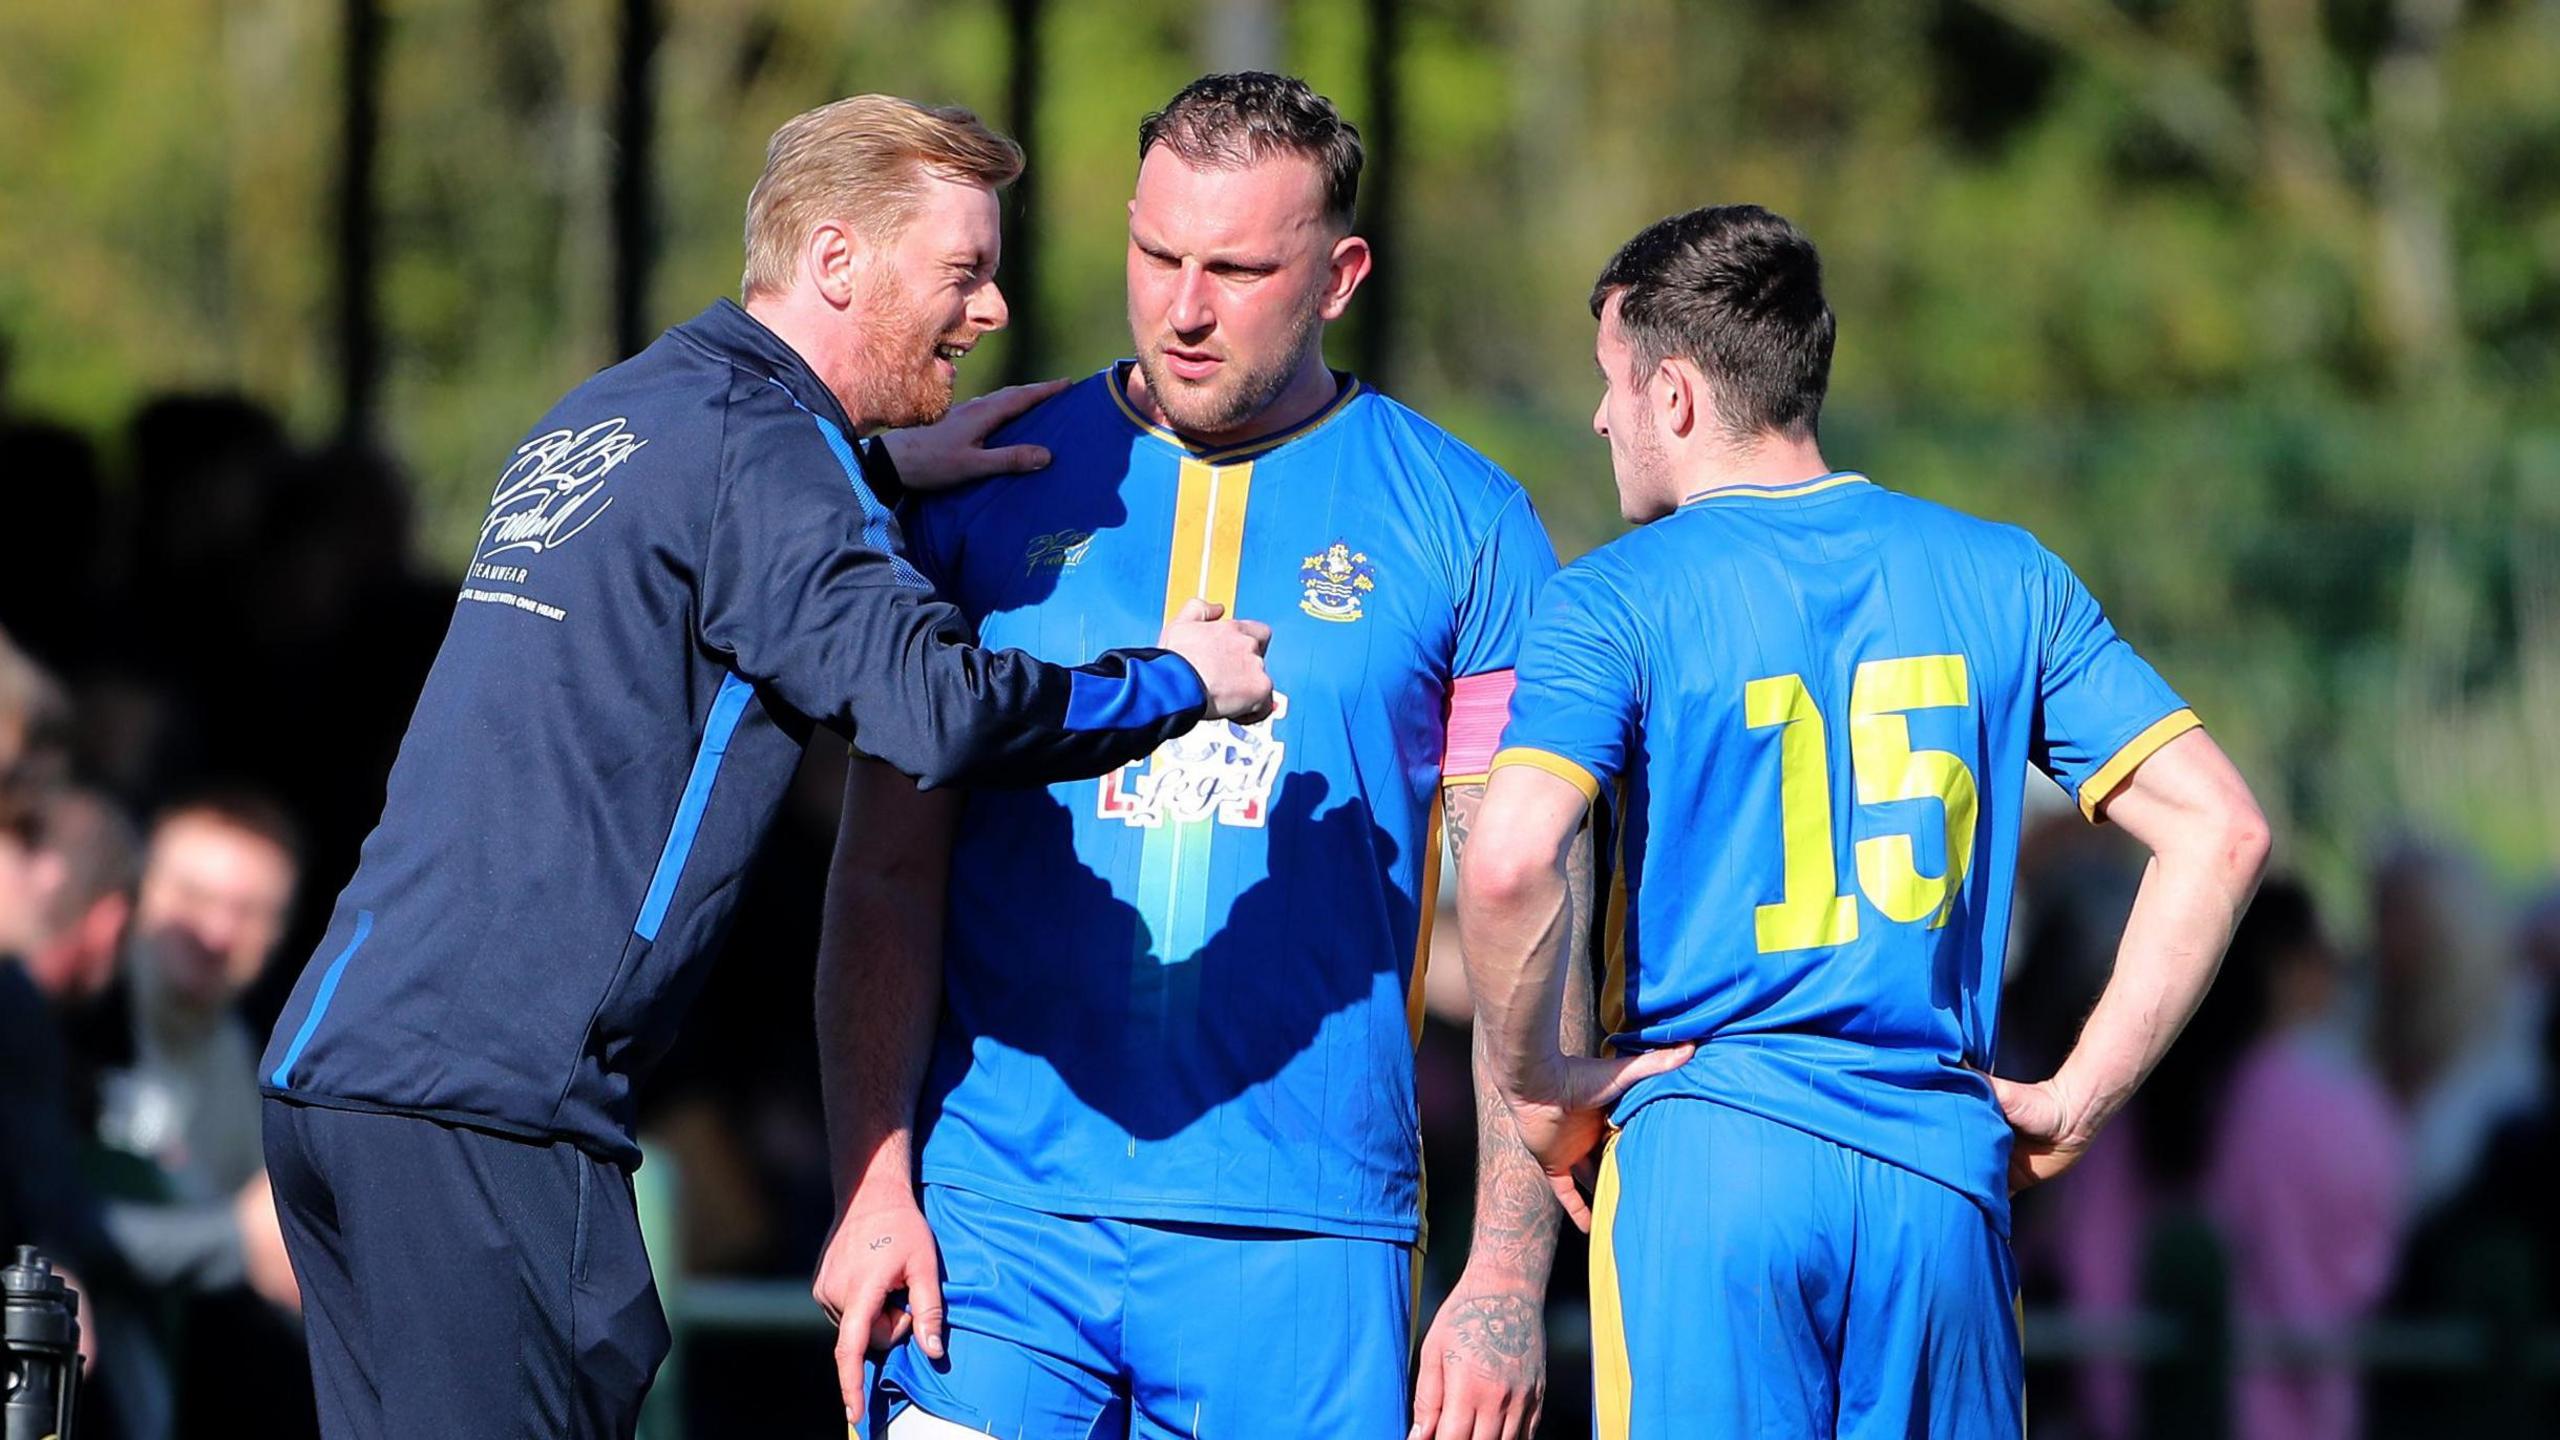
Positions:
{"x": 2252, "y": 310}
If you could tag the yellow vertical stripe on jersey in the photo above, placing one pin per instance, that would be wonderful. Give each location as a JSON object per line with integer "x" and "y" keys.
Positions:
{"x": 1430, "y": 894}
{"x": 1208, "y": 534}
{"x": 1612, "y": 1387}
{"x": 1207, "y": 541}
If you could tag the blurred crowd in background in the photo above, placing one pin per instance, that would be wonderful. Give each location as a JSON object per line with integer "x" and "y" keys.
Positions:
{"x": 215, "y": 637}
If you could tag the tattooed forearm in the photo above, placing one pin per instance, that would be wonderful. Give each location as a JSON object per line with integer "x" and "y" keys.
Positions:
{"x": 1516, "y": 1214}
{"x": 1516, "y": 1217}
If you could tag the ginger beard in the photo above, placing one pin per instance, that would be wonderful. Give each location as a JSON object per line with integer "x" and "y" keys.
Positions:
{"x": 901, "y": 377}
{"x": 1243, "y": 388}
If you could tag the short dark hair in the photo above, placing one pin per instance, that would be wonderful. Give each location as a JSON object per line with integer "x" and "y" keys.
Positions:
{"x": 236, "y": 807}
{"x": 1737, "y": 291}
{"x": 1228, "y": 122}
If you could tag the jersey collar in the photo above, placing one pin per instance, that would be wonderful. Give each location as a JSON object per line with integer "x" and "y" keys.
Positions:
{"x": 1815, "y": 486}
{"x": 1116, "y": 380}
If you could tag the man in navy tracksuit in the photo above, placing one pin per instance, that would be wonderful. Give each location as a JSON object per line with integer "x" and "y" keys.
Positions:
{"x": 688, "y": 567}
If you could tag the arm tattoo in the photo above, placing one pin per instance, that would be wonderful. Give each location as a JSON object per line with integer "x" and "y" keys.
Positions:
{"x": 1500, "y": 1334}
{"x": 1516, "y": 1214}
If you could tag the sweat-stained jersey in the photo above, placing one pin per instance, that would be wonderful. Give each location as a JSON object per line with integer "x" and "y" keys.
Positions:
{"x": 1821, "y": 702}
{"x": 1189, "y": 991}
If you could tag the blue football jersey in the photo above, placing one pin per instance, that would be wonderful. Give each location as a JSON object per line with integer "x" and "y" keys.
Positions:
{"x": 1816, "y": 706}
{"x": 1189, "y": 991}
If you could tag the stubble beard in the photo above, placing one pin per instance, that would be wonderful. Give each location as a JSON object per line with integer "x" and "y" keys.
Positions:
{"x": 1644, "y": 477}
{"x": 1231, "y": 403}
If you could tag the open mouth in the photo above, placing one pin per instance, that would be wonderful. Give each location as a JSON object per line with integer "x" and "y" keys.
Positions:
{"x": 950, "y": 353}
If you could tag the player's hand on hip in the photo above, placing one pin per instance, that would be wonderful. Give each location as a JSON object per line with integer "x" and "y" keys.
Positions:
{"x": 881, "y": 1277}
{"x": 954, "y": 451}
{"x": 1562, "y": 1126}
{"x": 1228, "y": 656}
{"x": 1483, "y": 1369}
{"x": 2046, "y": 1137}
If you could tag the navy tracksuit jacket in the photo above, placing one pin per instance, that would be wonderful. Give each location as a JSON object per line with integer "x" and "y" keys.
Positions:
{"x": 683, "y": 571}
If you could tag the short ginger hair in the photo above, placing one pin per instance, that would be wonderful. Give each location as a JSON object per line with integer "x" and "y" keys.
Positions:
{"x": 862, "y": 160}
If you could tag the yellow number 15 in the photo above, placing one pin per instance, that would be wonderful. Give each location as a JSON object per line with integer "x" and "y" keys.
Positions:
{"x": 1812, "y": 912}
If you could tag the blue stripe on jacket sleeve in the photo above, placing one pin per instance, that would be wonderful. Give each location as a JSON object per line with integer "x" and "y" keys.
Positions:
{"x": 876, "y": 524}
{"x": 726, "y": 707}
{"x": 1152, "y": 690}
{"x": 320, "y": 1001}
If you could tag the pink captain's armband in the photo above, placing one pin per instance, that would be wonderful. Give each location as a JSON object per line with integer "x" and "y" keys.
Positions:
{"x": 1479, "y": 706}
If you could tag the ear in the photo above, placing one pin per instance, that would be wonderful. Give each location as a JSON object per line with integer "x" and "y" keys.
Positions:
{"x": 831, "y": 257}
{"x": 1348, "y": 266}
{"x": 1678, "y": 393}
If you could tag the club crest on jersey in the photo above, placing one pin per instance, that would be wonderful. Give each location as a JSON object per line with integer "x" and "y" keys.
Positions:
{"x": 1218, "y": 771}
{"x": 1337, "y": 578}
{"x": 1063, "y": 550}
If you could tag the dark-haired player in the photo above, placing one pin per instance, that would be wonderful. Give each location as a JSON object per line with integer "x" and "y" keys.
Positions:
{"x": 1815, "y": 702}
{"x": 1168, "y": 1135}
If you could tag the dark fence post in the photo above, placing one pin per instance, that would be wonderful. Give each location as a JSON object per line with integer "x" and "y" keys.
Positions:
{"x": 635, "y": 219}
{"x": 1383, "y": 141}
{"x": 1026, "y": 348}
{"x": 359, "y": 321}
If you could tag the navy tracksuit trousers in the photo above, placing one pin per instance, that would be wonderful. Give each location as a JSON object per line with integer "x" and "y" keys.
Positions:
{"x": 461, "y": 1283}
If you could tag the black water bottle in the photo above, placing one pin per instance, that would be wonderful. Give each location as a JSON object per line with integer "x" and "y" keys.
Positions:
{"x": 39, "y": 1350}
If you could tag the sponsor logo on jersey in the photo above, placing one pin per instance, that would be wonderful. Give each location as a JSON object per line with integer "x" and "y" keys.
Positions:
{"x": 1061, "y": 551}
{"x": 1218, "y": 771}
{"x": 1336, "y": 579}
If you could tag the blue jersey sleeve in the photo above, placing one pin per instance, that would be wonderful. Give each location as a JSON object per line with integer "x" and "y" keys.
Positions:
{"x": 1580, "y": 692}
{"x": 2101, "y": 710}
{"x": 1500, "y": 595}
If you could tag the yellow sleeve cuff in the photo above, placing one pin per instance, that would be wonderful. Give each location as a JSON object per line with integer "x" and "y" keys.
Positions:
{"x": 2110, "y": 777}
{"x": 1556, "y": 765}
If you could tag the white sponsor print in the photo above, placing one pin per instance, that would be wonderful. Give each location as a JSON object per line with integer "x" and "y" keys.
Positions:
{"x": 555, "y": 488}
{"x": 1219, "y": 770}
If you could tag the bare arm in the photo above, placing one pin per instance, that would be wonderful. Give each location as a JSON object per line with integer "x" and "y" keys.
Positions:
{"x": 1485, "y": 1356}
{"x": 2208, "y": 845}
{"x": 1516, "y": 925}
{"x": 879, "y": 991}
{"x": 1515, "y": 1221}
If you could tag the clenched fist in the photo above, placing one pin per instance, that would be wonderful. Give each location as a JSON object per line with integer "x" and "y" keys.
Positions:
{"x": 1228, "y": 655}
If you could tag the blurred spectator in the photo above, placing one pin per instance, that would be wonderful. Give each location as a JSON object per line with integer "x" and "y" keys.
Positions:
{"x": 2305, "y": 1178}
{"x": 2458, "y": 1018}
{"x": 44, "y": 1197}
{"x": 216, "y": 881}
{"x": 2263, "y": 1136}
{"x": 88, "y": 866}
{"x": 203, "y": 466}
{"x": 179, "y": 1090}
{"x": 32, "y": 713}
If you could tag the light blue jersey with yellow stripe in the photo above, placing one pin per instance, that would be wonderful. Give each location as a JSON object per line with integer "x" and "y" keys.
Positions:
{"x": 1821, "y": 702}
{"x": 1188, "y": 991}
